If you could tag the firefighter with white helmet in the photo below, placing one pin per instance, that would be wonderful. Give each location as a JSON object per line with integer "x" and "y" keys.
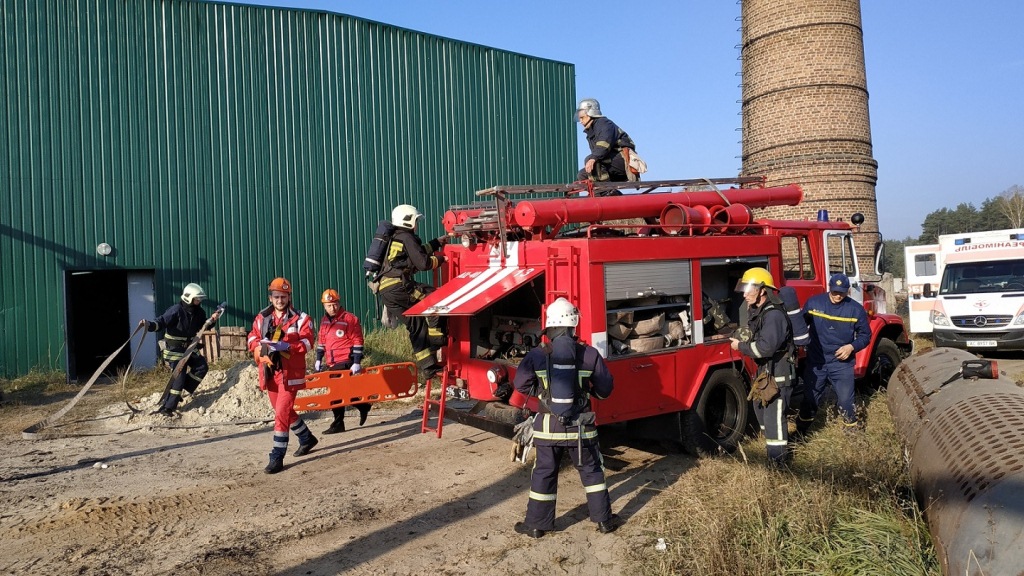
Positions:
{"x": 563, "y": 375}
{"x": 339, "y": 346}
{"x": 278, "y": 341}
{"x": 181, "y": 323}
{"x": 610, "y": 146}
{"x": 406, "y": 255}
{"x": 770, "y": 344}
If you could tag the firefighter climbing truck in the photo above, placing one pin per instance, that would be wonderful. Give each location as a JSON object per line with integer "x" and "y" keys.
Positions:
{"x": 653, "y": 274}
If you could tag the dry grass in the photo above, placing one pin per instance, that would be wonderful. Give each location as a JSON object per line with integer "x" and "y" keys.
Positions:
{"x": 844, "y": 507}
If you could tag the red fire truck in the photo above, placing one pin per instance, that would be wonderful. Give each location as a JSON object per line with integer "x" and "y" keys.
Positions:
{"x": 653, "y": 274}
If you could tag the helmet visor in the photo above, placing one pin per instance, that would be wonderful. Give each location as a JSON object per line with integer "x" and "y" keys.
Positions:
{"x": 744, "y": 287}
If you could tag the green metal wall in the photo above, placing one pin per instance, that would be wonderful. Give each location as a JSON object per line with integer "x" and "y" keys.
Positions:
{"x": 227, "y": 144}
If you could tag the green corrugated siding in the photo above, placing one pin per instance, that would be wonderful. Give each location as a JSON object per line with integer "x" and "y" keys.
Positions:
{"x": 227, "y": 144}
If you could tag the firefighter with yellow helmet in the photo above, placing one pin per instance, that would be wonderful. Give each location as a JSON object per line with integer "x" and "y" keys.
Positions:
{"x": 181, "y": 323}
{"x": 770, "y": 345}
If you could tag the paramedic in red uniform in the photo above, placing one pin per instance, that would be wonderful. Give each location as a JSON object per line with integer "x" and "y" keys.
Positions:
{"x": 339, "y": 347}
{"x": 279, "y": 340}
{"x": 563, "y": 375}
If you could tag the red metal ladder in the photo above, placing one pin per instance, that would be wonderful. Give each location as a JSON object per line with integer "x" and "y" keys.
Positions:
{"x": 428, "y": 402}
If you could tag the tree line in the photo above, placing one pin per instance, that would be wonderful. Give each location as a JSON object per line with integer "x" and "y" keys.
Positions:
{"x": 1005, "y": 210}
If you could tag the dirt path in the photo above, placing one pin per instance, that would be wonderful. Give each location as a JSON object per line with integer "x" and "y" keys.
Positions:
{"x": 381, "y": 499}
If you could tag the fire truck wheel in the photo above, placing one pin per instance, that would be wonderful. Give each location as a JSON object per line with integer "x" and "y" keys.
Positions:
{"x": 501, "y": 412}
{"x": 883, "y": 363}
{"x": 717, "y": 421}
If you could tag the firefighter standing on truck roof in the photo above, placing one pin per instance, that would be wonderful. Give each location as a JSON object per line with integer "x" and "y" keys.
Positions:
{"x": 279, "y": 340}
{"x": 563, "y": 376}
{"x": 771, "y": 347}
{"x": 407, "y": 255}
{"x": 339, "y": 347}
{"x": 609, "y": 146}
{"x": 181, "y": 323}
{"x": 839, "y": 329}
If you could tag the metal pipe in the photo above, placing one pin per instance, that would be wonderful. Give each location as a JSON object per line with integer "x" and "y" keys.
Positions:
{"x": 965, "y": 438}
{"x": 539, "y": 213}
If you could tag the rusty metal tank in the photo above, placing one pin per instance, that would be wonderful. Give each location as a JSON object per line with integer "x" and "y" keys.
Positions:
{"x": 965, "y": 440}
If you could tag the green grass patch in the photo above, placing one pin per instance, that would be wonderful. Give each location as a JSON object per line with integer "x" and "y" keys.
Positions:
{"x": 844, "y": 507}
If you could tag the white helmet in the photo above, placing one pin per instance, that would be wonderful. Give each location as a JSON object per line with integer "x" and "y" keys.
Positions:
{"x": 191, "y": 291}
{"x": 590, "y": 107}
{"x": 405, "y": 216}
{"x": 562, "y": 313}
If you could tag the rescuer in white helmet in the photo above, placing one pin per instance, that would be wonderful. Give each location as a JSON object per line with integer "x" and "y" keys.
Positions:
{"x": 406, "y": 255}
{"x": 563, "y": 375}
{"x": 610, "y": 146}
{"x": 181, "y": 323}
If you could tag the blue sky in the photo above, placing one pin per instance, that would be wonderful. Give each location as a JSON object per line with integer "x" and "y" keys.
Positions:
{"x": 945, "y": 78}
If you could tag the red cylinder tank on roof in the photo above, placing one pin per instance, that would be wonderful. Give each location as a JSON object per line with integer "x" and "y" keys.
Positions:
{"x": 539, "y": 213}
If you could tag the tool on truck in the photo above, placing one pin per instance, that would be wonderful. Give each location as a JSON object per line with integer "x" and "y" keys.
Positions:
{"x": 645, "y": 293}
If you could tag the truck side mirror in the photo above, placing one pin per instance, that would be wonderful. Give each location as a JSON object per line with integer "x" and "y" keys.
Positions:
{"x": 927, "y": 290}
{"x": 879, "y": 249}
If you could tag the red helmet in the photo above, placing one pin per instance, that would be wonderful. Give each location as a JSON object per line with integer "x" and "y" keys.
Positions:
{"x": 330, "y": 296}
{"x": 280, "y": 285}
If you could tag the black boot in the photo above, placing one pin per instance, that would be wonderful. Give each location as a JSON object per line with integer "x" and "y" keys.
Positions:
{"x": 275, "y": 466}
{"x": 364, "y": 409}
{"x": 304, "y": 449}
{"x": 339, "y": 421}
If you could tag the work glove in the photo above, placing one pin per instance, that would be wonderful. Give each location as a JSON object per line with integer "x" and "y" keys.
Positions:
{"x": 150, "y": 326}
{"x": 522, "y": 440}
{"x": 276, "y": 346}
{"x": 261, "y": 360}
{"x": 316, "y": 366}
{"x": 356, "y": 369}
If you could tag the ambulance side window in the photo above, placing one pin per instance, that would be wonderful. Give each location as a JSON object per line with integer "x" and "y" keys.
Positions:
{"x": 796, "y": 258}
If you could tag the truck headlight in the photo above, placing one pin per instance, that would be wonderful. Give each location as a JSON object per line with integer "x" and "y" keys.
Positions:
{"x": 1019, "y": 320}
{"x": 497, "y": 374}
{"x": 938, "y": 318}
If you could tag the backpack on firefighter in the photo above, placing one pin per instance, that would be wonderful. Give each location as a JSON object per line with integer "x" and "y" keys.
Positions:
{"x": 562, "y": 394}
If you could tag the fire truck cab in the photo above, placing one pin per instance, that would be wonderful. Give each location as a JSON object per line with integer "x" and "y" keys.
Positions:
{"x": 656, "y": 296}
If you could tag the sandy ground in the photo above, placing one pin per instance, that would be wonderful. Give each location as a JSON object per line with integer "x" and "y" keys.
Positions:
{"x": 188, "y": 496}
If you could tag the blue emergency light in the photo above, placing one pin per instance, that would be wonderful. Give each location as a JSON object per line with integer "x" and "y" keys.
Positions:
{"x": 961, "y": 241}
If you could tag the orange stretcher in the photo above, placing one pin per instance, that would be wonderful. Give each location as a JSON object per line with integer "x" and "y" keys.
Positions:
{"x": 374, "y": 384}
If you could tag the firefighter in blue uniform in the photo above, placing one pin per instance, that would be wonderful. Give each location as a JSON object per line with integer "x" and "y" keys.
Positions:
{"x": 563, "y": 376}
{"x": 606, "y": 161}
{"x": 771, "y": 347}
{"x": 839, "y": 329}
{"x": 180, "y": 324}
{"x": 406, "y": 255}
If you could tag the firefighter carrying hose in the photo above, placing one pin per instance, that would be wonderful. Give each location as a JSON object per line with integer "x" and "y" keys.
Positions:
{"x": 279, "y": 340}
{"x": 339, "y": 347}
{"x": 181, "y": 323}
{"x": 563, "y": 376}
{"x": 407, "y": 255}
{"x": 771, "y": 347}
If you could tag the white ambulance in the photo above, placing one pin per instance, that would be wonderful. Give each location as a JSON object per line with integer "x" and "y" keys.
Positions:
{"x": 968, "y": 290}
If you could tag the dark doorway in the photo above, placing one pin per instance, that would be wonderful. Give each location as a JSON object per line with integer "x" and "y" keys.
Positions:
{"x": 97, "y": 321}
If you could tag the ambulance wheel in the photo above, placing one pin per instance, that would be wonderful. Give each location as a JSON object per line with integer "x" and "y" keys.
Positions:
{"x": 883, "y": 363}
{"x": 717, "y": 421}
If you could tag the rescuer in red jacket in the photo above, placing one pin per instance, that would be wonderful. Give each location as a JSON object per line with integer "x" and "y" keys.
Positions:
{"x": 279, "y": 340}
{"x": 339, "y": 347}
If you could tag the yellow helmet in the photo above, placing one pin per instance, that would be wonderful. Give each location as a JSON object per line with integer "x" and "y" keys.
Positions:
{"x": 755, "y": 277}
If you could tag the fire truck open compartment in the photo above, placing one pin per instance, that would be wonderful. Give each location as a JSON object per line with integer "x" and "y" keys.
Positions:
{"x": 506, "y": 330}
